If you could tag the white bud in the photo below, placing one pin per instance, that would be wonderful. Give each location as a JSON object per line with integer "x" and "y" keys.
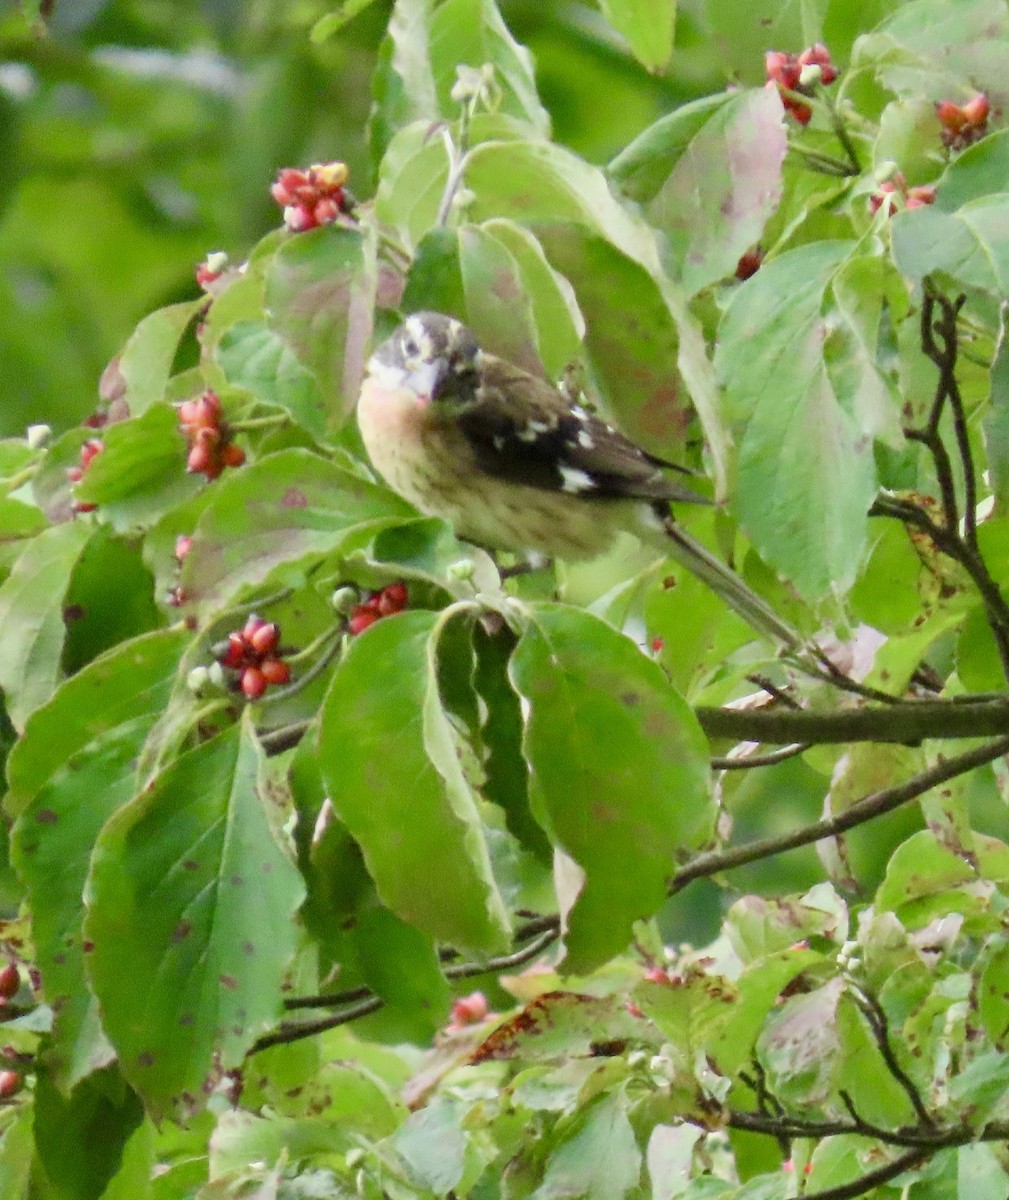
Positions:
{"x": 216, "y": 676}
{"x": 37, "y": 435}
{"x": 461, "y": 570}
{"x": 811, "y": 75}
{"x": 197, "y": 680}
{"x": 344, "y": 599}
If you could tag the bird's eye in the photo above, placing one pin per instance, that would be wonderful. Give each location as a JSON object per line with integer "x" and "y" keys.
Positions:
{"x": 410, "y": 347}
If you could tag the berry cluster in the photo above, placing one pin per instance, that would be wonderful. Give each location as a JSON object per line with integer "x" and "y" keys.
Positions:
{"x": 253, "y": 652}
{"x": 894, "y": 193}
{"x": 384, "y": 603}
{"x": 799, "y": 73}
{"x": 210, "y": 446}
{"x": 89, "y": 451}
{"x": 314, "y": 197}
{"x": 963, "y": 124}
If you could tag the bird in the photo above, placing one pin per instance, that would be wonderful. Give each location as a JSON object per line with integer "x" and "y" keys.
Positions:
{"x": 513, "y": 463}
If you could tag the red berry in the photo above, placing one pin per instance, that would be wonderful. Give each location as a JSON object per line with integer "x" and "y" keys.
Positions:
{"x": 360, "y": 619}
{"x": 10, "y": 1083}
{"x": 919, "y": 196}
{"x": 232, "y": 455}
{"x": 658, "y": 645}
{"x": 469, "y": 1010}
{"x": 657, "y": 975}
{"x": 253, "y": 682}
{"x": 10, "y": 980}
{"x": 397, "y": 595}
{"x": 275, "y": 671}
{"x": 264, "y": 638}
{"x": 326, "y": 211}
{"x": 183, "y": 545}
{"x": 976, "y": 110}
{"x": 234, "y": 655}
{"x": 951, "y": 116}
{"x": 200, "y": 460}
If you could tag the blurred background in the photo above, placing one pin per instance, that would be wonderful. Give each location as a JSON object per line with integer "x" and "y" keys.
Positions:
{"x": 136, "y": 136}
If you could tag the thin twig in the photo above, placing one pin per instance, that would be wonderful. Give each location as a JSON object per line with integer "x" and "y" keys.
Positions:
{"x": 874, "y": 1014}
{"x": 952, "y": 545}
{"x": 745, "y": 762}
{"x": 874, "y": 805}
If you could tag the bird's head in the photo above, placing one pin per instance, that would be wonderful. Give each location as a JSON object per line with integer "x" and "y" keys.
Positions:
{"x": 434, "y": 356}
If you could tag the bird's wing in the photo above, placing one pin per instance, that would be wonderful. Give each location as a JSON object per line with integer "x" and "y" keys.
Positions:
{"x": 524, "y": 430}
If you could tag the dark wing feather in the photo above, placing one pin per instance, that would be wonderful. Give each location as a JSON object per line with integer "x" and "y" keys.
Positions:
{"x": 522, "y": 429}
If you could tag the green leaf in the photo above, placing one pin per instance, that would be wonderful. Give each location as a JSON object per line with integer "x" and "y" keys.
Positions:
{"x": 471, "y": 32}
{"x": 557, "y": 321}
{"x": 670, "y": 1157}
{"x": 723, "y": 188}
{"x": 283, "y": 508}
{"x": 996, "y": 420}
{"x": 507, "y": 776}
{"x": 976, "y": 173}
{"x": 632, "y": 347}
{"x": 971, "y": 246}
{"x": 938, "y": 48}
{"x": 132, "y": 680}
{"x": 977, "y": 658}
{"x": 618, "y": 772}
{"x": 141, "y": 473}
{"x": 110, "y": 599}
{"x": 320, "y": 297}
{"x": 648, "y": 27}
{"x": 146, "y": 360}
{"x": 400, "y": 964}
{"x": 255, "y": 357}
{"x": 411, "y": 181}
{"x": 540, "y": 182}
{"x": 402, "y": 84}
{"x": 81, "y": 1138}
{"x": 799, "y": 1045}
{"x": 190, "y": 902}
{"x": 993, "y": 997}
{"x": 432, "y": 1145}
{"x": 388, "y": 756}
{"x": 31, "y": 618}
{"x": 806, "y": 471}
{"x": 51, "y": 850}
{"x": 333, "y": 22}
{"x": 642, "y": 168}
{"x": 598, "y": 1157}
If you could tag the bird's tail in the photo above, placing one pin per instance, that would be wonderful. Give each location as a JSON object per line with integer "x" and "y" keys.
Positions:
{"x": 724, "y": 582}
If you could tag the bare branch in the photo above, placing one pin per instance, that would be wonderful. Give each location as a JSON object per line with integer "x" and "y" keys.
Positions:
{"x": 873, "y": 805}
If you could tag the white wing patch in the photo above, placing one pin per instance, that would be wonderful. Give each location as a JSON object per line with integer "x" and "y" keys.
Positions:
{"x": 576, "y": 481}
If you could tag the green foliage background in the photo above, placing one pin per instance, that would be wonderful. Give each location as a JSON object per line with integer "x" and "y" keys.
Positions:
{"x": 240, "y": 927}
{"x": 136, "y": 137}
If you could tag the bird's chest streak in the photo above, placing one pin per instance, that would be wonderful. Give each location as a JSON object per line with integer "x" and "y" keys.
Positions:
{"x": 404, "y": 445}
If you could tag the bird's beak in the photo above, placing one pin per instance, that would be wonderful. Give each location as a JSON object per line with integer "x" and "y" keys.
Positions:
{"x": 429, "y": 380}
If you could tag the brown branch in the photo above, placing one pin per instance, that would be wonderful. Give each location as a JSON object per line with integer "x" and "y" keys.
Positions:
{"x": 953, "y": 546}
{"x": 874, "y": 805}
{"x": 874, "y": 1014}
{"x": 909, "y": 722}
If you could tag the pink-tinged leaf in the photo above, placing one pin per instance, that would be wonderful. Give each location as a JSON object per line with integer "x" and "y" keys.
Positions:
{"x": 320, "y": 296}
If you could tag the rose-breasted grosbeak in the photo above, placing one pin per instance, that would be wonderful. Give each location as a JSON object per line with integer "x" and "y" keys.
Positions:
{"x": 513, "y": 465}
